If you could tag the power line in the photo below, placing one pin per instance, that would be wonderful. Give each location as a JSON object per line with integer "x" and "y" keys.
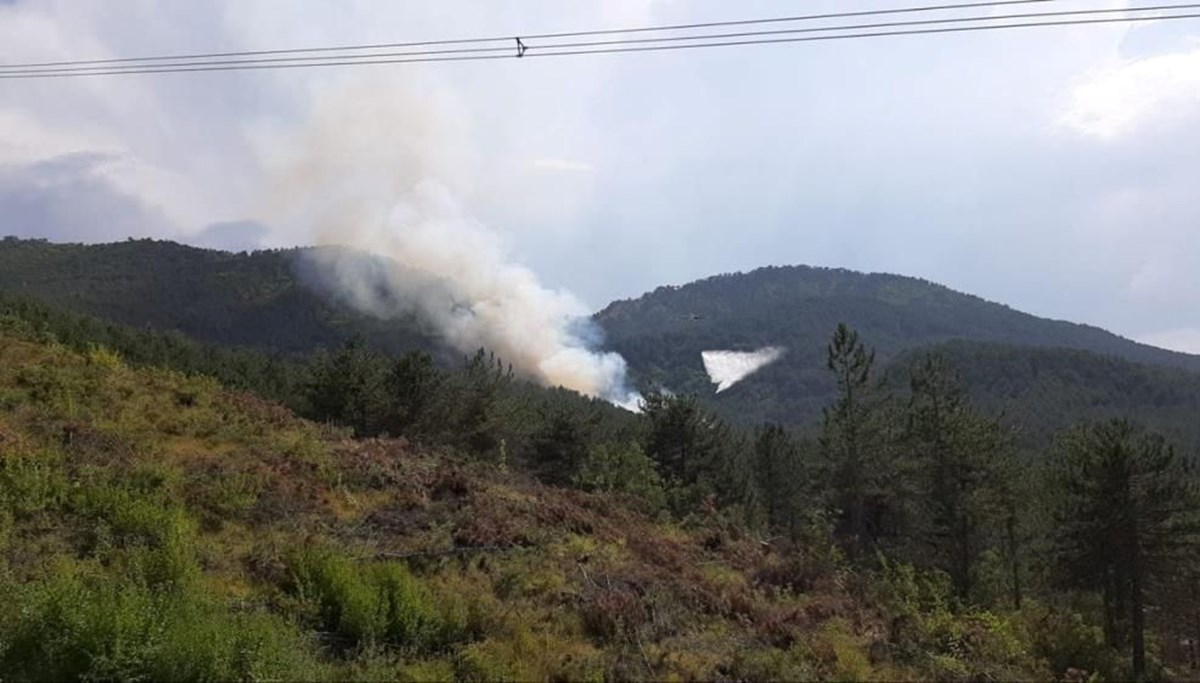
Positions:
{"x": 541, "y": 36}
{"x": 886, "y": 24}
{"x": 84, "y": 70}
{"x": 576, "y": 45}
{"x": 881, "y": 34}
{"x": 569, "y": 49}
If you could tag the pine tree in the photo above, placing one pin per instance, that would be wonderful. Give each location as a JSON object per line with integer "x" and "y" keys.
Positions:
{"x": 473, "y": 405}
{"x": 621, "y": 467}
{"x": 411, "y": 390}
{"x": 956, "y": 457}
{"x": 780, "y": 477}
{"x": 682, "y": 438}
{"x": 346, "y": 386}
{"x": 694, "y": 451}
{"x": 854, "y": 442}
{"x": 1128, "y": 520}
{"x": 559, "y": 446}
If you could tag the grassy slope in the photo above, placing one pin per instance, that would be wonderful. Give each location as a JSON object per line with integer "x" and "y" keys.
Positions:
{"x": 159, "y": 525}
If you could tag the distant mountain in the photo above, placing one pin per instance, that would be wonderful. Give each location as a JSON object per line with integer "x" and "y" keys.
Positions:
{"x": 271, "y": 300}
{"x": 663, "y": 333}
{"x": 1044, "y": 374}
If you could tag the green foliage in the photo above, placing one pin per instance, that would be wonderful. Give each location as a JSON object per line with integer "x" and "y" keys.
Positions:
{"x": 370, "y": 602}
{"x": 198, "y": 523}
{"x": 559, "y": 447}
{"x": 1066, "y": 641}
{"x": 621, "y": 468}
{"x": 956, "y": 458}
{"x": 1044, "y": 390}
{"x": 784, "y": 479}
{"x": 78, "y": 625}
{"x": 347, "y": 386}
{"x": 31, "y": 483}
{"x": 110, "y": 344}
{"x": 159, "y": 538}
{"x": 928, "y": 632}
{"x": 855, "y": 445}
{"x": 413, "y": 386}
{"x": 1062, "y": 372}
{"x": 793, "y": 664}
{"x": 698, "y": 456}
{"x": 1129, "y": 513}
{"x": 270, "y": 300}
{"x": 231, "y": 497}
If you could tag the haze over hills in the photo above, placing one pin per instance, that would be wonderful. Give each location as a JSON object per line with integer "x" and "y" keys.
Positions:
{"x": 1046, "y": 372}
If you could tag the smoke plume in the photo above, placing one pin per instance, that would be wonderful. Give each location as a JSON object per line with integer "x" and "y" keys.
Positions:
{"x": 727, "y": 368}
{"x": 382, "y": 172}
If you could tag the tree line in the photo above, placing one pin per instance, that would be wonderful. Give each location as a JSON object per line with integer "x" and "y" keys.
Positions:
{"x": 1105, "y": 523}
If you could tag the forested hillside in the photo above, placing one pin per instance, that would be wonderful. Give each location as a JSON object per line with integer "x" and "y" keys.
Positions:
{"x": 455, "y": 523}
{"x": 257, "y": 300}
{"x": 1040, "y": 390}
{"x": 1045, "y": 374}
{"x": 1040, "y": 372}
{"x": 663, "y": 333}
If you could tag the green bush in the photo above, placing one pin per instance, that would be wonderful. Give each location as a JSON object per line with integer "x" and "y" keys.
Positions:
{"x": 159, "y": 540}
{"x": 621, "y": 468}
{"x": 200, "y": 643}
{"x": 370, "y": 602}
{"x": 75, "y": 626}
{"x": 763, "y": 663}
{"x": 1066, "y": 641}
{"x": 31, "y": 482}
{"x": 230, "y": 496}
{"x": 931, "y": 631}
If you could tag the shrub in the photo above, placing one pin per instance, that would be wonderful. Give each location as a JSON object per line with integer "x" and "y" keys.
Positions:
{"x": 31, "y": 482}
{"x": 75, "y": 626}
{"x": 1066, "y": 641}
{"x": 621, "y": 468}
{"x": 762, "y": 663}
{"x": 160, "y": 540}
{"x": 929, "y": 631}
{"x": 202, "y": 643}
{"x": 105, "y": 358}
{"x": 408, "y": 616}
{"x": 225, "y": 495}
{"x": 370, "y": 602}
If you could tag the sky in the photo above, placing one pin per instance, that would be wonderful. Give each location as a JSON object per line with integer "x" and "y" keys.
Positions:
{"x": 1050, "y": 169}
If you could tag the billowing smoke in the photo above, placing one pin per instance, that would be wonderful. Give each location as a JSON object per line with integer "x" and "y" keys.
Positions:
{"x": 727, "y": 368}
{"x": 382, "y": 172}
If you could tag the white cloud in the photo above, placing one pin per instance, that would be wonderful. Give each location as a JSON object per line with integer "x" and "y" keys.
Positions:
{"x": 1118, "y": 99}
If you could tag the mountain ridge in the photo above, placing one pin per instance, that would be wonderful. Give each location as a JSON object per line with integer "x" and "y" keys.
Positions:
{"x": 266, "y": 300}
{"x": 611, "y": 315}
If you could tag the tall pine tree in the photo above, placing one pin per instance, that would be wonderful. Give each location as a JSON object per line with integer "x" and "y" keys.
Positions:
{"x": 854, "y": 442}
{"x": 1128, "y": 519}
{"x": 956, "y": 458}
